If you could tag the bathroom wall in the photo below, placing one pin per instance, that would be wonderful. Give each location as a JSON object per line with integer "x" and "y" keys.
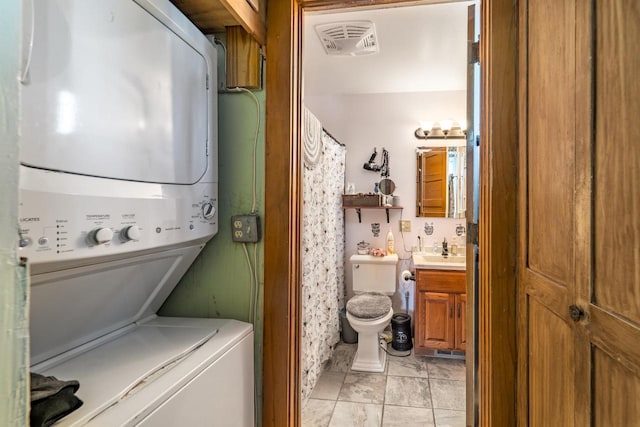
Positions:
{"x": 389, "y": 120}
{"x": 13, "y": 291}
{"x": 218, "y": 283}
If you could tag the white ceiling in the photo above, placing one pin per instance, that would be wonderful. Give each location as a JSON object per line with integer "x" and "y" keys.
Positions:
{"x": 421, "y": 49}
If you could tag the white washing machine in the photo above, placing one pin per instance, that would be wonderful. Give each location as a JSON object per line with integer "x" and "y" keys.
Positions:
{"x": 118, "y": 196}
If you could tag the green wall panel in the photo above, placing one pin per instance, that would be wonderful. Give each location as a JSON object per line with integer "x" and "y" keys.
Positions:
{"x": 218, "y": 284}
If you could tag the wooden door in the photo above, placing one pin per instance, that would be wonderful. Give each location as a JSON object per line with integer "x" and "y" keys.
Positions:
{"x": 433, "y": 185}
{"x": 579, "y": 205}
{"x": 461, "y": 322}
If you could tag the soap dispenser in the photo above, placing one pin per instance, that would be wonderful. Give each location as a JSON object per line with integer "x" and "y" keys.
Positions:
{"x": 390, "y": 243}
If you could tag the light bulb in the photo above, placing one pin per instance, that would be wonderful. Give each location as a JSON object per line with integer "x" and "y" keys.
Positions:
{"x": 446, "y": 125}
{"x": 426, "y": 126}
{"x": 463, "y": 125}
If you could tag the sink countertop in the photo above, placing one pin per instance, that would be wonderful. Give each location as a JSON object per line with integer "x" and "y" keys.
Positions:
{"x": 438, "y": 262}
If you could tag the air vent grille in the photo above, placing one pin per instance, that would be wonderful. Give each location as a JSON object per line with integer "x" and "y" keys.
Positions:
{"x": 350, "y": 38}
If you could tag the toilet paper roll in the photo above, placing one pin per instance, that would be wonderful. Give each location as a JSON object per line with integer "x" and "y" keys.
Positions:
{"x": 406, "y": 276}
{"x": 406, "y": 284}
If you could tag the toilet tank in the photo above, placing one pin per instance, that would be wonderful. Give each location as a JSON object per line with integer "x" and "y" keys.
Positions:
{"x": 374, "y": 274}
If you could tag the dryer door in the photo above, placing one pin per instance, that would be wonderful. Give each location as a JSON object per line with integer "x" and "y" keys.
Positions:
{"x": 113, "y": 93}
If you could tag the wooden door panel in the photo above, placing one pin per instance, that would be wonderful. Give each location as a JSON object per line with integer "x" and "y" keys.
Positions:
{"x": 449, "y": 281}
{"x": 616, "y": 392}
{"x": 614, "y": 336}
{"x": 434, "y": 188}
{"x": 617, "y": 158}
{"x": 552, "y": 295}
{"x": 421, "y": 314}
{"x": 547, "y": 214}
{"x": 551, "y": 381}
{"x": 439, "y": 322}
{"x": 461, "y": 322}
{"x": 551, "y": 146}
{"x": 580, "y": 309}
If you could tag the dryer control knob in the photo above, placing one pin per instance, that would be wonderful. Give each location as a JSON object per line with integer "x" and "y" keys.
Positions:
{"x": 99, "y": 236}
{"x": 131, "y": 232}
{"x": 208, "y": 210}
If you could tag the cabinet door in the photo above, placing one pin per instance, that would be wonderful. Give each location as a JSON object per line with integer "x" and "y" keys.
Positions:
{"x": 461, "y": 321}
{"x": 421, "y": 319}
{"x": 438, "y": 330}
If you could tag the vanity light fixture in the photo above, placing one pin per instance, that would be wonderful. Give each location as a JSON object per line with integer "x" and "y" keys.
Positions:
{"x": 446, "y": 129}
{"x": 446, "y": 126}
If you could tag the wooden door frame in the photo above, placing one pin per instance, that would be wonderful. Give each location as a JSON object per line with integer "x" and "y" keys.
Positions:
{"x": 283, "y": 202}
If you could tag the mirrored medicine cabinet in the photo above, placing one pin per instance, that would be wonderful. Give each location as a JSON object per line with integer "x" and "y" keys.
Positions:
{"x": 441, "y": 181}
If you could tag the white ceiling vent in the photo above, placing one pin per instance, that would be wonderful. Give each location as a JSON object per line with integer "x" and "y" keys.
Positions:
{"x": 349, "y": 38}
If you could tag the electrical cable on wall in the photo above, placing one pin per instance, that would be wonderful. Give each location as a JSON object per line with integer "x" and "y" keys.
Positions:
{"x": 254, "y": 289}
{"x": 254, "y": 190}
{"x": 404, "y": 246}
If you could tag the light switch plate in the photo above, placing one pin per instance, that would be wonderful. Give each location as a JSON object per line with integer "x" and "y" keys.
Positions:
{"x": 245, "y": 228}
{"x": 405, "y": 225}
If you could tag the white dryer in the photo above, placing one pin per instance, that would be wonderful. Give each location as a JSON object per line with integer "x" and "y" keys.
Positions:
{"x": 118, "y": 196}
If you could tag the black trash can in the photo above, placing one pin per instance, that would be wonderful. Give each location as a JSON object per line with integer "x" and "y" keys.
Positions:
{"x": 401, "y": 332}
{"x": 349, "y": 336}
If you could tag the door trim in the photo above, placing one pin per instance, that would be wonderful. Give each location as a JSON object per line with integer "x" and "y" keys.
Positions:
{"x": 496, "y": 345}
{"x": 283, "y": 201}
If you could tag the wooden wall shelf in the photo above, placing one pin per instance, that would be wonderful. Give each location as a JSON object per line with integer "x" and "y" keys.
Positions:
{"x": 359, "y": 210}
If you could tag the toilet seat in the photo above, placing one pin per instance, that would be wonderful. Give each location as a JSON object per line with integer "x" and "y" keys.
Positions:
{"x": 369, "y": 306}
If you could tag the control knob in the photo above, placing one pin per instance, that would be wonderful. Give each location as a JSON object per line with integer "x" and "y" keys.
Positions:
{"x": 131, "y": 232}
{"x": 99, "y": 236}
{"x": 208, "y": 210}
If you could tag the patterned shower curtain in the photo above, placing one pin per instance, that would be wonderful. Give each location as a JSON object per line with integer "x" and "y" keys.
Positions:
{"x": 322, "y": 256}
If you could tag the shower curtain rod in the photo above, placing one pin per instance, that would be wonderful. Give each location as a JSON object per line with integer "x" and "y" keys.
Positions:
{"x": 333, "y": 137}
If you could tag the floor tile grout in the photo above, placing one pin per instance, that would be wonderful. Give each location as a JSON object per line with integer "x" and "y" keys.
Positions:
{"x": 444, "y": 371}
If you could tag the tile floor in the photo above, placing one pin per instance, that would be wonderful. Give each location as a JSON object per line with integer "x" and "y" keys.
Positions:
{"x": 413, "y": 391}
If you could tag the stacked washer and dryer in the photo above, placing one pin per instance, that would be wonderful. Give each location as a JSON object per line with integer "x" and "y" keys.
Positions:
{"x": 118, "y": 196}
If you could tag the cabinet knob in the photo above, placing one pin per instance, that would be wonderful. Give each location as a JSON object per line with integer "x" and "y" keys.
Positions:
{"x": 576, "y": 313}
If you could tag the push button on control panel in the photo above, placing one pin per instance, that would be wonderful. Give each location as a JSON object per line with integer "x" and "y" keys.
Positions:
{"x": 43, "y": 241}
{"x": 25, "y": 242}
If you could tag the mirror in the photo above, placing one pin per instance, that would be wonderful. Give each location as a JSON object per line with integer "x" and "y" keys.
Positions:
{"x": 441, "y": 181}
{"x": 387, "y": 186}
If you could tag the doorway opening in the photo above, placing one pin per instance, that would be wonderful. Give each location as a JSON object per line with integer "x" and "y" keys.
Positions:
{"x": 375, "y": 102}
{"x": 497, "y": 227}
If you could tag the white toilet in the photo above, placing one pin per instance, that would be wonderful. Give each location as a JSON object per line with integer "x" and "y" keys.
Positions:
{"x": 369, "y": 311}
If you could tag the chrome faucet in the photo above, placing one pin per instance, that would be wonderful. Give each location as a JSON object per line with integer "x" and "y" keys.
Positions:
{"x": 445, "y": 248}
{"x": 419, "y": 244}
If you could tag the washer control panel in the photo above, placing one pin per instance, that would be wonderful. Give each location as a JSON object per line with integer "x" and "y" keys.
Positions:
{"x": 56, "y": 226}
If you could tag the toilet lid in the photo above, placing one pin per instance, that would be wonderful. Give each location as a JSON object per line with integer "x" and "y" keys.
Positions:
{"x": 369, "y": 305}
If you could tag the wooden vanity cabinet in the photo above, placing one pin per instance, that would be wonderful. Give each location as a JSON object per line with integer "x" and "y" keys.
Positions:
{"x": 441, "y": 301}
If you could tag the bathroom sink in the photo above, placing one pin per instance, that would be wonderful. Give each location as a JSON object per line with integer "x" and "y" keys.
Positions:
{"x": 438, "y": 262}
